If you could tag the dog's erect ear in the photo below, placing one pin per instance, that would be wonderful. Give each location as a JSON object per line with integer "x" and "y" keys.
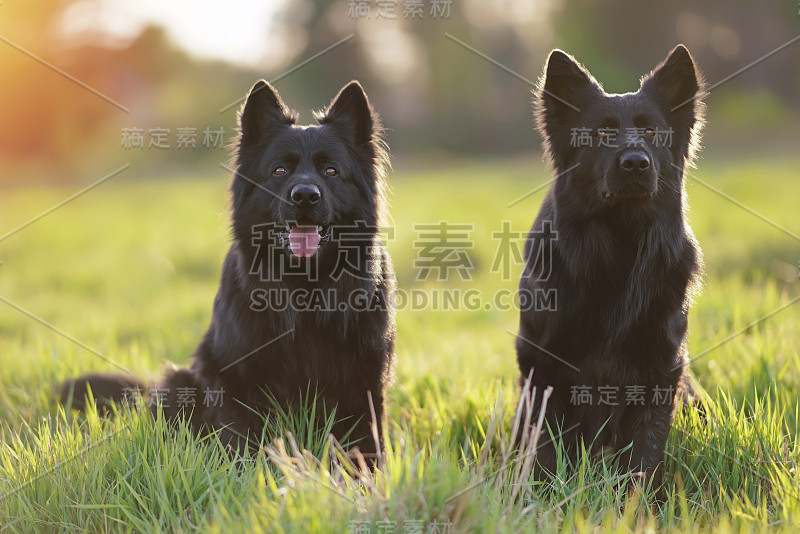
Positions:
{"x": 352, "y": 112}
{"x": 564, "y": 84}
{"x": 262, "y": 113}
{"x": 675, "y": 81}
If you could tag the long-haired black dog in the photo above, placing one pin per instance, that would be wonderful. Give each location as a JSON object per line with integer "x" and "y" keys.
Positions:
{"x": 613, "y": 259}
{"x": 303, "y": 304}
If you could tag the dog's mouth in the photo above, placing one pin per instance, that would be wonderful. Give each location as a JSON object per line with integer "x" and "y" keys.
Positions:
{"x": 634, "y": 196}
{"x": 637, "y": 193}
{"x": 304, "y": 239}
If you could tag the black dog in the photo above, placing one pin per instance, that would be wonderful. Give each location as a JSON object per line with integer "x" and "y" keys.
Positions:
{"x": 612, "y": 252}
{"x": 303, "y": 300}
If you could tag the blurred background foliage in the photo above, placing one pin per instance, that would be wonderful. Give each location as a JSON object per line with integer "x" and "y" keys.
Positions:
{"x": 436, "y": 97}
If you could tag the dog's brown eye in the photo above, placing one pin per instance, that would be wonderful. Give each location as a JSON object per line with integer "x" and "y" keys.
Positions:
{"x": 280, "y": 171}
{"x": 601, "y": 133}
{"x": 649, "y": 132}
{"x": 330, "y": 171}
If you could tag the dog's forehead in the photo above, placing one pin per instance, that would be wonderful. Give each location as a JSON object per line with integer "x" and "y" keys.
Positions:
{"x": 306, "y": 140}
{"x": 624, "y": 105}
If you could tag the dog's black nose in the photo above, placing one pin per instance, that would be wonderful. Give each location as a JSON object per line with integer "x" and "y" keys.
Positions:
{"x": 305, "y": 194}
{"x": 634, "y": 160}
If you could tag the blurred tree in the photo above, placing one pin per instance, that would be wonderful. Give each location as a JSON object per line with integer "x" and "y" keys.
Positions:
{"x": 435, "y": 95}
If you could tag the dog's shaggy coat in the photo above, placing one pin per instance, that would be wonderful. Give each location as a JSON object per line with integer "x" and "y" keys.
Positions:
{"x": 307, "y": 203}
{"x": 612, "y": 250}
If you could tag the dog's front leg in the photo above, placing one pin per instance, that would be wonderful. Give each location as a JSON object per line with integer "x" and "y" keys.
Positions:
{"x": 647, "y": 427}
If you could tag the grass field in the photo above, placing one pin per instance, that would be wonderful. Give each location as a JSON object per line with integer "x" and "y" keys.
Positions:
{"x": 129, "y": 271}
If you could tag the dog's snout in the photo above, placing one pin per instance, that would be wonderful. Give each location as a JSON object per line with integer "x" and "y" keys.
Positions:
{"x": 634, "y": 161}
{"x": 305, "y": 195}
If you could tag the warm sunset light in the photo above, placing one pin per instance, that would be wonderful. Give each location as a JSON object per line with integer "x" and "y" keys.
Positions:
{"x": 399, "y": 266}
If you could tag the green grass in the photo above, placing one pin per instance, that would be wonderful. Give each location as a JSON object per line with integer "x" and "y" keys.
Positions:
{"x": 131, "y": 268}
